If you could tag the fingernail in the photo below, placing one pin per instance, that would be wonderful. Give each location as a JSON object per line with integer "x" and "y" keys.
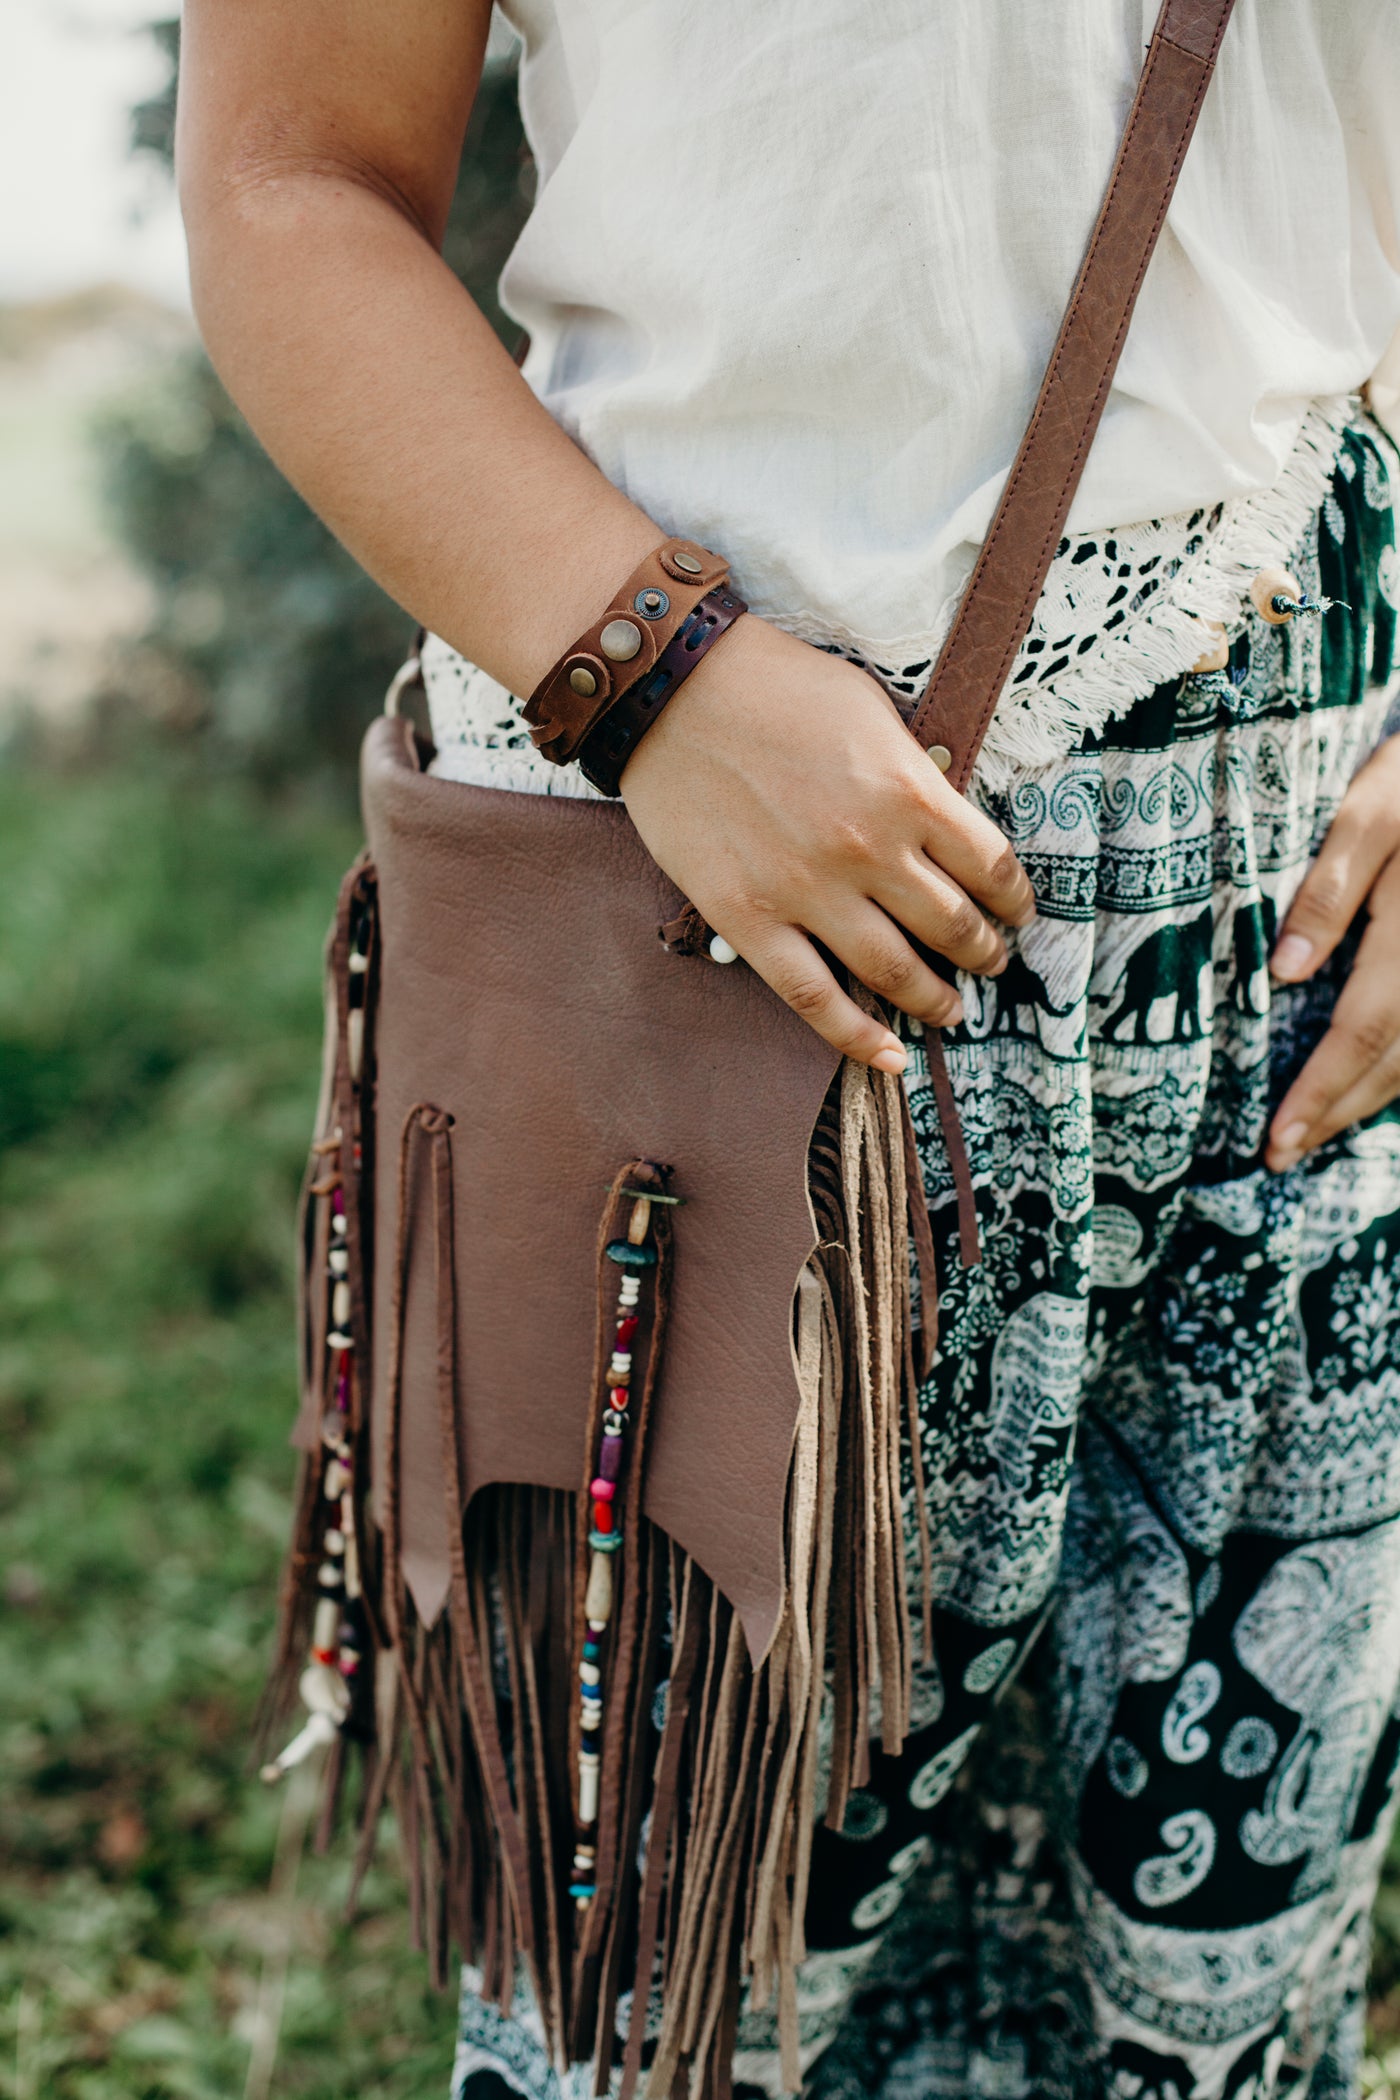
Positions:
{"x": 1292, "y": 957}
{"x": 953, "y": 1015}
{"x": 889, "y": 1060}
{"x": 1291, "y": 1139}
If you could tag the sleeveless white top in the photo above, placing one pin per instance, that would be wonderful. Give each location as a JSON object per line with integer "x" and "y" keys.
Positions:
{"x": 794, "y": 271}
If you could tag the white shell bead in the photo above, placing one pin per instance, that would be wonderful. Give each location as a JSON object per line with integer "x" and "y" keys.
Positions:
{"x": 587, "y": 1793}
{"x": 324, "y": 1691}
{"x": 325, "y": 1627}
{"x": 337, "y": 1480}
{"x": 589, "y": 1673}
{"x": 340, "y": 1261}
{"x": 721, "y": 951}
{"x": 598, "y": 1598}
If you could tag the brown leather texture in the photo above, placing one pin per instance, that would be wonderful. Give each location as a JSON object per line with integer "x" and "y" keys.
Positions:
{"x": 610, "y": 743}
{"x": 559, "y": 716}
{"x": 977, "y": 658}
{"x": 524, "y": 991}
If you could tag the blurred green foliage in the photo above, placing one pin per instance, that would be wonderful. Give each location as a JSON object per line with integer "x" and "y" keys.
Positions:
{"x": 277, "y": 642}
{"x": 159, "y": 1032}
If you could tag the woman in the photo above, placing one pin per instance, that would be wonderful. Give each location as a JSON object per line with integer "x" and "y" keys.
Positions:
{"x": 790, "y": 281}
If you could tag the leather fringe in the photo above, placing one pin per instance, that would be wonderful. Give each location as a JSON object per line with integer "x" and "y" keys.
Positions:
{"x": 713, "y": 1770}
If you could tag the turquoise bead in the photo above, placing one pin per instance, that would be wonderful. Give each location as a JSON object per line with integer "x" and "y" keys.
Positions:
{"x": 629, "y": 1257}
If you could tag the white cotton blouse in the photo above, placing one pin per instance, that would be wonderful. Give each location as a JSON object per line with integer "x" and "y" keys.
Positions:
{"x": 795, "y": 268}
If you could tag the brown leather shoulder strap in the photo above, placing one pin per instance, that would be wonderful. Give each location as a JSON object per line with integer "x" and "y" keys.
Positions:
{"x": 996, "y": 611}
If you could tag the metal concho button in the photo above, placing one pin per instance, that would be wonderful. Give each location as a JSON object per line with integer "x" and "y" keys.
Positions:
{"x": 941, "y": 756}
{"x": 620, "y": 640}
{"x": 689, "y": 563}
{"x": 651, "y": 604}
{"x": 583, "y": 681}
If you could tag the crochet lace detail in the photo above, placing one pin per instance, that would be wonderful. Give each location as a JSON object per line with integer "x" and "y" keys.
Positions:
{"x": 1120, "y": 612}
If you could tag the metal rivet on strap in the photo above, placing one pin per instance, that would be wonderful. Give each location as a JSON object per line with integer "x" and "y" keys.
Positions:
{"x": 583, "y": 681}
{"x": 620, "y": 640}
{"x": 651, "y": 604}
{"x": 941, "y": 756}
{"x": 687, "y": 562}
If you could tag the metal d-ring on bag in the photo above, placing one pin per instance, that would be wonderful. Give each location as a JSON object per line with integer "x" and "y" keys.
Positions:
{"x": 609, "y": 1363}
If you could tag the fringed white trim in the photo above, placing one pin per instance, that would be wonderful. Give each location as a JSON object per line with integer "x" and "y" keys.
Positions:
{"x": 1036, "y": 724}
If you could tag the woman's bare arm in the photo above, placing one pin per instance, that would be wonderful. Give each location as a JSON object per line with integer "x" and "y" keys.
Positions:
{"x": 317, "y": 153}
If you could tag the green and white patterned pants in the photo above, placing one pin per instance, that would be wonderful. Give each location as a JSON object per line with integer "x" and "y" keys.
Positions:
{"x": 1133, "y": 1844}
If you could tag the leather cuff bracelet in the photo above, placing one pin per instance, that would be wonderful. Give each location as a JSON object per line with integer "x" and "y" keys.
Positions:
{"x": 611, "y": 741}
{"x": 621, "y": 646}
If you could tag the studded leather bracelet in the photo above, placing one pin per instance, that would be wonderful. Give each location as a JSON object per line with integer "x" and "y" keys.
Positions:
{"x": 616, "y": 735}
{"x": 621, "y": 647}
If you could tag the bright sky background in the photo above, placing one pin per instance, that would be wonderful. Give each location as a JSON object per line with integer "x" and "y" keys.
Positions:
{"x": 76, "y": 211}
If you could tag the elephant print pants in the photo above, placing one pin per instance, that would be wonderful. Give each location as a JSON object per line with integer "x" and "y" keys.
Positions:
{"x": 1132, "y": 1846}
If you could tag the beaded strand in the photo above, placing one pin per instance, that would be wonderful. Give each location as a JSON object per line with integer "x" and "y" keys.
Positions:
{"x": 634, "y": 1255}
{"x": 327, "y": 1681}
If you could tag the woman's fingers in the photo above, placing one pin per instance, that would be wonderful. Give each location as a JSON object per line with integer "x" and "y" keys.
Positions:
{"x": 1355, "y": 1069}
{"x": 1363, "y": 835}
{"x": 928, "y": 904}
{"x": 878, "y": 953}
{"x": 969, "y": 848}
{"x": 786, "y": 960}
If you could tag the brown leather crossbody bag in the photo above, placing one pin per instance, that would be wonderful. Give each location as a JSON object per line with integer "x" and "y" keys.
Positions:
{"x": 527, "y": 1096}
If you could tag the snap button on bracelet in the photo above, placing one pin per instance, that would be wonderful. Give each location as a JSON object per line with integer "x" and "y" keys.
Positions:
{"x": 941, "y": 756}
{"x": 688, "y": 562}
{"x": 583, "y": 681}
{"x": 620, "y": 640}
{"x": 651, "y": 604}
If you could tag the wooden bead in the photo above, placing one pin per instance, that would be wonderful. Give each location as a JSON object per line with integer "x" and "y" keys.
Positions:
{"x": 639, "y": 1221}
{"x": 1217, "y": 652}
{"x": 1268, "y": 585}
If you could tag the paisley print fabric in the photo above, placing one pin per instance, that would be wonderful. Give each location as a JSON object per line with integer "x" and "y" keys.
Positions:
{"x": 1133, "y": 1843}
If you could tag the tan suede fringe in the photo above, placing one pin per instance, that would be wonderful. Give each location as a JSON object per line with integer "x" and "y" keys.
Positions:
{"x": 469, "y": 1727}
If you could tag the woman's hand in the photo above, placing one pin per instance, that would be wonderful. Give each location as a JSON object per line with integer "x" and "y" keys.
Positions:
{"x": 781, "y": 792}
{"x": 1355, "y": 1069}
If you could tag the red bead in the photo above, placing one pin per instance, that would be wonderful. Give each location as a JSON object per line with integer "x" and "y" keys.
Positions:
{"x": 602, "y": 1516}
{"x": 602, "y": 1490}
{"x": 323, "y": 1655}
{"x": 617, "y": 1396}
{"x": 626, "y": 1328}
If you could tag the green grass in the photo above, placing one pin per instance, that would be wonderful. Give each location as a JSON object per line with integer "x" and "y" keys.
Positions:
{"x": 159, "y": 1024}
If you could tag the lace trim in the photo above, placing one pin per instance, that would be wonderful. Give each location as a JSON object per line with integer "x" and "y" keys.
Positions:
{"x": 1119, "y": 614}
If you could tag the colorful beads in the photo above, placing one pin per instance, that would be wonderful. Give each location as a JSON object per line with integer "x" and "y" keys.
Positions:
{"x": 634, "y": 1255}
{"x": 334, "y": 1657}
